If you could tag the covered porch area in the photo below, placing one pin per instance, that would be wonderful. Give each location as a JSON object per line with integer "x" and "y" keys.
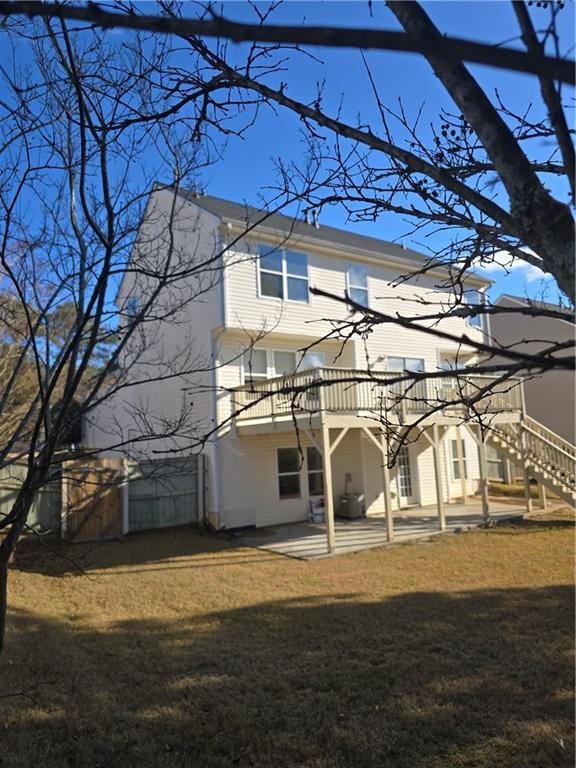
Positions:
{"x": 403, "y": 511}
{"x": 309, "y": 541}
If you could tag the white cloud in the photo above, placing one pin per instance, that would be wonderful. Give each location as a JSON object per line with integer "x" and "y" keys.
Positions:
{"x": 503, "y": 263}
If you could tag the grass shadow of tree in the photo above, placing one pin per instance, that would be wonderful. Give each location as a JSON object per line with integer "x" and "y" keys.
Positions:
{"x": 419, "y": 680}
{"x": 145, "y": 548}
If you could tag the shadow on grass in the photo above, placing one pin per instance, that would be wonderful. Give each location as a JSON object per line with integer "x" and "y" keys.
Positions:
{"x": 184, "y": 546}
{"x": 421, "y": 680}
{"x": 189, "y": 547}
{"x": 548, "y": 521}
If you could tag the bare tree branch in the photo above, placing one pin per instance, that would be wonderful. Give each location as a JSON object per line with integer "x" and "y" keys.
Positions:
{"x": 332, "y": 37}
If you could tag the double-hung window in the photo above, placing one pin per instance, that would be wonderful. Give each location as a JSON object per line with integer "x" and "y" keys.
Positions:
{"x": 456, "y": 462}
{"x": 259, "y": 364}
{"x": 283, "y": 274}
{"x": 288, "y": 473}
{"x": 415, "y": 391}
{"x": 357, "y": 284}
{"x": 415, "y": 364}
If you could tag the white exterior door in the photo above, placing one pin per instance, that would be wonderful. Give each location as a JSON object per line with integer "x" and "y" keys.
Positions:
{"x": 406, "y": 495}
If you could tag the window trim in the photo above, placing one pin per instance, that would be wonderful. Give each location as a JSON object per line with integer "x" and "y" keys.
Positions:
{"x": 279, "y": 474}
{"x": 285, "y": 275}
{"x": 349, "y": 285}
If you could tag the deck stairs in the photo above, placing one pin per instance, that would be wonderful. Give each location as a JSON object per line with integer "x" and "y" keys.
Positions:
{"x": 546, "y": 456}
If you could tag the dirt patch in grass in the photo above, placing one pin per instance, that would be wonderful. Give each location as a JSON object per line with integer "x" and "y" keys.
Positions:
{"x": 177, "y": 649}
{"x": 516, "y": 491}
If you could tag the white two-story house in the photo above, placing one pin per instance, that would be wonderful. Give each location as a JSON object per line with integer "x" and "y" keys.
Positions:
{"x": 291, "y": 397}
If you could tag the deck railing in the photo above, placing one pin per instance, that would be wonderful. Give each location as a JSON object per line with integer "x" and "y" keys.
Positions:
{"x": 350, "y": 391}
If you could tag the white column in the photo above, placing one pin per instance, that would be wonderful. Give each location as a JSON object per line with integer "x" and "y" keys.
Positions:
{"x": 438, "y": 478}
{"x": 483, "y": 475}
{"x": 542, "y": 495}
{"x": 328, "y": 497}
{"x": 525, "y": 473}
{"x": 387, "y": 492}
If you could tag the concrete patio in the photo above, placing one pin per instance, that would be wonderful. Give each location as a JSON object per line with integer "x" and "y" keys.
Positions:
{"x": 307, "y": 541}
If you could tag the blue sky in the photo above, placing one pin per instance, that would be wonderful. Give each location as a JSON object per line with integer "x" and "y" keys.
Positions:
{"x": 248, "y": 165}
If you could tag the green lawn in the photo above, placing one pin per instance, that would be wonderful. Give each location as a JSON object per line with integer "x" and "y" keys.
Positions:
{"x": 177, "y": 649}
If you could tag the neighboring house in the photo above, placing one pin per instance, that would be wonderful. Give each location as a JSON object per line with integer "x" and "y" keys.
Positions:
{"x": 550, "y": 397}
{"x": 257, "y": 327}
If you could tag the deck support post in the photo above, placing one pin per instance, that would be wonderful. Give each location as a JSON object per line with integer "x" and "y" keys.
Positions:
{"x": 524, "y": 444}
{"x": 525, "y": 473}
{"x": 507, "y": 466}
{"x": 483, "y": 475}
{"x": 328, "y": 496}
{"x": 438, "y": 478}
{"x": 527, "y": 496}
{"x": 386, "y": 488}
{"x": 383, "y": 447}
{"x": 435, "y": 443}
{"x": 542, "y": 495}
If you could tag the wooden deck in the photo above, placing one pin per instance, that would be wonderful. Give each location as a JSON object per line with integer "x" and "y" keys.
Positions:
{"x": 341, "y": 396}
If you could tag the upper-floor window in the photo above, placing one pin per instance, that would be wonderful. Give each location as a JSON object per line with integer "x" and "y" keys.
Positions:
{"x": 414, "y": 364}
{"x": 283, "y": 274}
{"x": 284, "y": 363}
{"x": 476, "y": 298}
{"x": 259, "y": 364}
{"x": 357, "y": 283}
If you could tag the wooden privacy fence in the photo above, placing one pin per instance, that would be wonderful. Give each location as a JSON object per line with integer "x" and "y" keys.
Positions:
{"x": 46, "y": 509}
{"x": 107, "y": 498}
{"x": 92, "y": 499}
{"x": 162, "y": 493}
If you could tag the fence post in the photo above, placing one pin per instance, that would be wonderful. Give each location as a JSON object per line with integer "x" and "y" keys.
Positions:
{"x": 125, "y": 497}
{"x": 200, "y": 486}
{"x": 63, "y": 503}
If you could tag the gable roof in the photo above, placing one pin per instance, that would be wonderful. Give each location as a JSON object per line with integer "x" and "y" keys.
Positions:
{"x": 523, "y": 301}
{"x": 272, "y": 222}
